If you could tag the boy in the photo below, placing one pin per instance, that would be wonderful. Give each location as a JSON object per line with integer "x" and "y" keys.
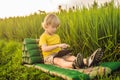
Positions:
{"x": 51, "y": 45}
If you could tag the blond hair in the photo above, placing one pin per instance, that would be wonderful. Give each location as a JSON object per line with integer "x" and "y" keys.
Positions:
{"x": 51, "y": 19}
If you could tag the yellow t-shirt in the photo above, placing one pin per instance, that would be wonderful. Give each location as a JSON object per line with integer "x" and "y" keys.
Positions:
{"x": 49, "y": 40}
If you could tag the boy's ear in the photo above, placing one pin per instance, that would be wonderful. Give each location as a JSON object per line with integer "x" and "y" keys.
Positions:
{"x": 44, "y": 26}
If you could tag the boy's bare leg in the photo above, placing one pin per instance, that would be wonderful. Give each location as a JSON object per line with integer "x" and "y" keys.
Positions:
{"x": 72, "y": 58}
{"x": 69, "y": 58}
{"x": 62, "y": 63}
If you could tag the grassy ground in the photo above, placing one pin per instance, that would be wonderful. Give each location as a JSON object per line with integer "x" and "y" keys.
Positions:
{"x": 10, "y": 64}
{"x": 11, "y": 68}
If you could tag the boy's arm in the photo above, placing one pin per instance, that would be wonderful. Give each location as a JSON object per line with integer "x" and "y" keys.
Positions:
{"x": 49, "y": 48}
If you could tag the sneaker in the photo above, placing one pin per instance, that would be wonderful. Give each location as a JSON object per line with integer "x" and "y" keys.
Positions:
{"x": 95, "y": 57}
{"x": 78, "y": 62}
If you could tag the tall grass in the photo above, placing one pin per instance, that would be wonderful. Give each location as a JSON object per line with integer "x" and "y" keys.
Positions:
{"x": 10, "y": 64}
{"x": 18, "y": 28}
{"x": 88, "y": 29}
{"x": 85, "y": 30}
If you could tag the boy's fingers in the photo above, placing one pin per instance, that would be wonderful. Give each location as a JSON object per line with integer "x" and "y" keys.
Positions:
{"x": 66, "y": 45}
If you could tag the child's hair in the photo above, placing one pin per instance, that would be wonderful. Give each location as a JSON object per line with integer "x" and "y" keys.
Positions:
{"x": 51, "y": 19}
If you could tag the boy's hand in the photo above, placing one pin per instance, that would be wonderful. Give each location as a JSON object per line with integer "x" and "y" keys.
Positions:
{"x": 64, "y": 45}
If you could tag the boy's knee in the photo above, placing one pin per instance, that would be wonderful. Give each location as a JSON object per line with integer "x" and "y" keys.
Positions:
{"x": 57, "y": 60}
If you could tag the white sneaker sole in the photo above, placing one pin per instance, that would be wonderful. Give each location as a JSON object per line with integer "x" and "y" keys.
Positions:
{"x": 92, "y": 57}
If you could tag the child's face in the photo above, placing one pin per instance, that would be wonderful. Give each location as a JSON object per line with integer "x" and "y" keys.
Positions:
{"x": 51, "y": 29}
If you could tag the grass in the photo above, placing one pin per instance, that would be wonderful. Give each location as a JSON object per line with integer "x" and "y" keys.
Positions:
{"x": 10, "y": 64}
{"x": 11, "y": 68}
{"x": 85, "y": 30}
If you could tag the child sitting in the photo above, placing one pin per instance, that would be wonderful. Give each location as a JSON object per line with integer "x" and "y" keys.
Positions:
{"x": 51, "y": 46}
